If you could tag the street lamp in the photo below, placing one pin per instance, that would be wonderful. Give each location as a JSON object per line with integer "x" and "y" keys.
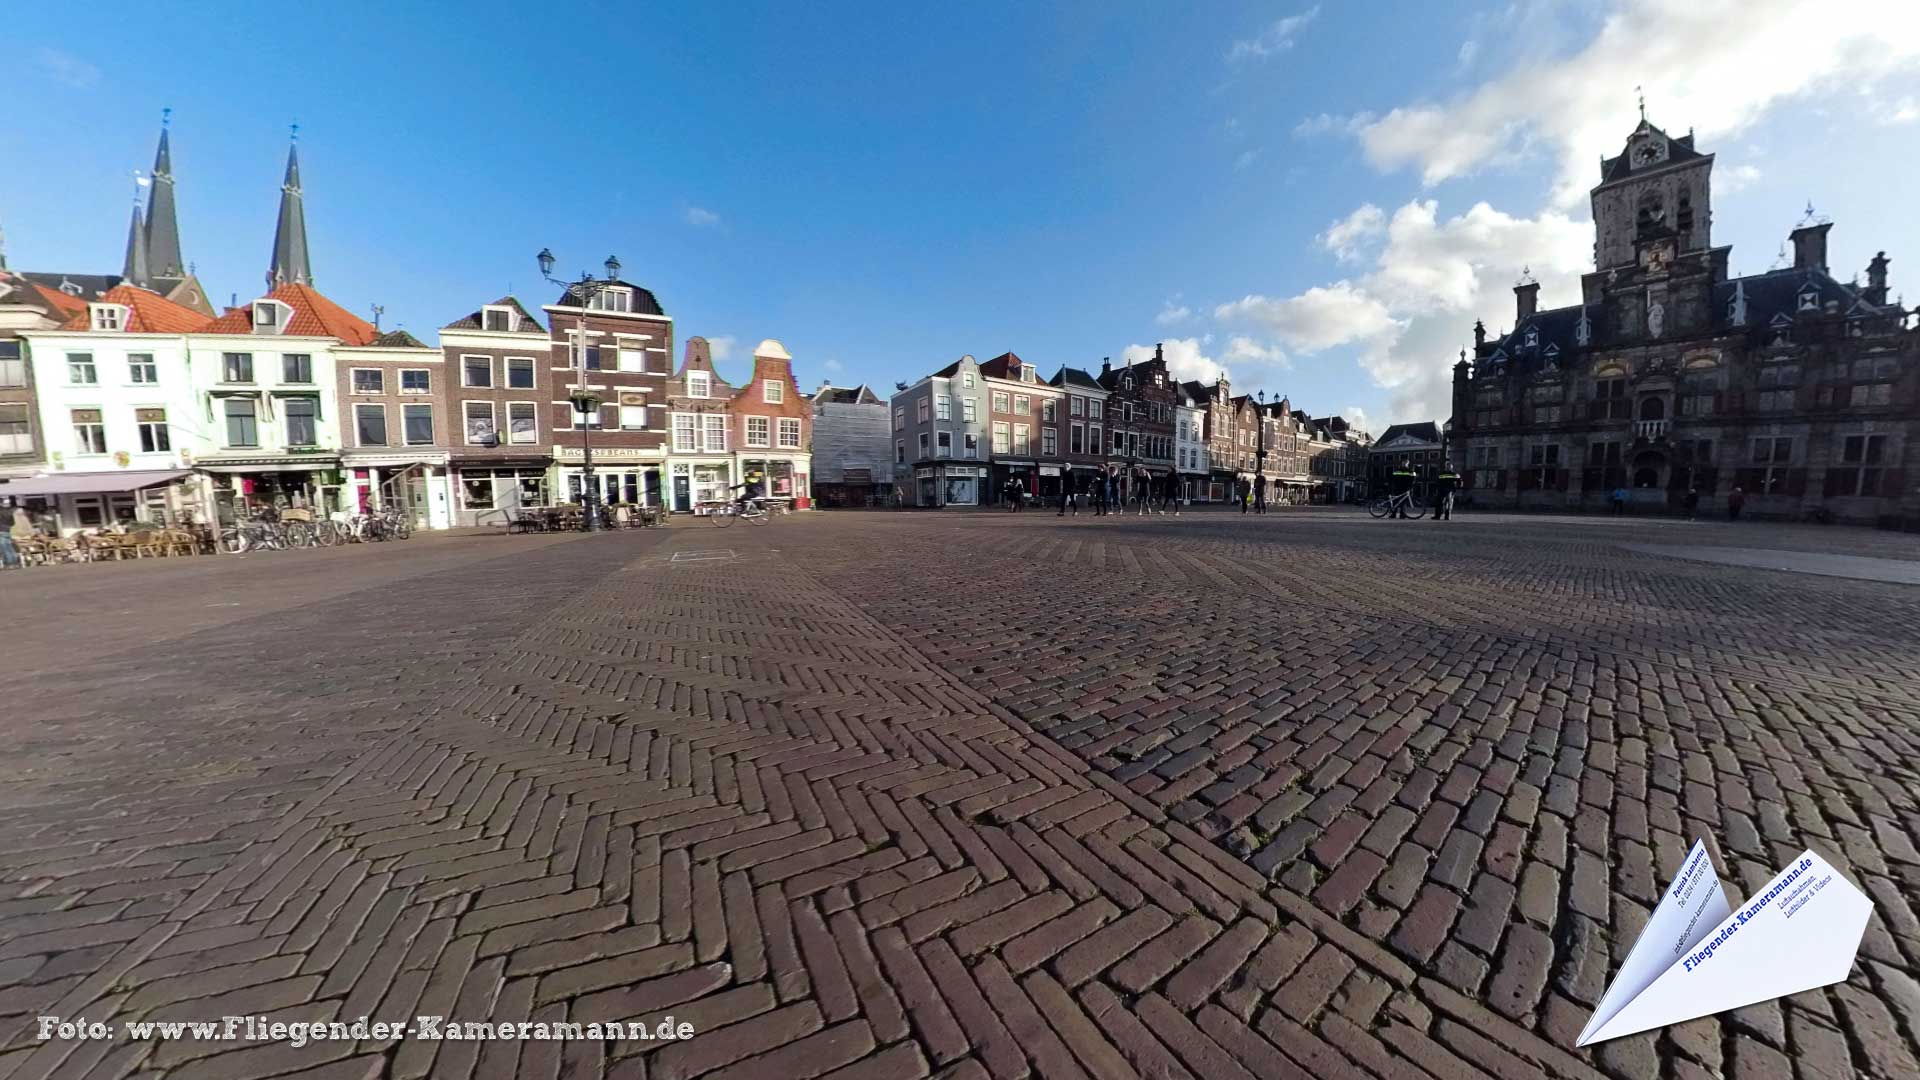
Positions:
{"x": 1260, "y": 456}
{"x": 585, "y": 402}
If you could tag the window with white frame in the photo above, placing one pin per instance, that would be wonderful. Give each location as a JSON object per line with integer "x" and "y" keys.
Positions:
{"x": 923, "y": 444}
{"x": 967, "y": 412}
{"x": 633, "y": 360}
{"x": 612, "y": 300}
{"x": 970, "y": 445}
{"x": 1001, "y": 403}
{"x": 417, "y": 424}
{"x": 1093, "y": 439}
{"x": 89, "y": 434}
{"x": 369, "y": 424}
{"x": 686, "y": 433}
{"x": 497, "y": 319}
{"x": 243, "y": 422}
{"x": 943, "y": 441}
{"x": 966, "y": 379}
{"x": 772, "y": 391}
{"x": 699, "y": 384}
{"x": 1049, "y": 441}
{"x": 141, "y": 369}
{"x": 302, "y": 416}
{"x": 1049, "y": 409}
{"x": 369, "y": 381}
{"x": 80, "y": 369}
{"x": 479, "y": 416}
{"x": 416, "y": 381}
{"x": 633, "y": 413}
{"x": 476, "y": 371}
{"x": 899, "y": 452}
{"x": 1002, "y": 437}
{"x": 899, "y": 418}
{"x": 523, "y": 423}
{"x": 109, "y": 317}
{"x": 1093, "y": 408}
{"x": 236, "y": 367}
{"x": 1076, "y": 406}
{"x": 1022, "y": 405}
{"x": 13, "y": 365}
{"x": 267, "y": 315}
{"x": 943, "y": 408}
{"x": 1022, "y": 440}
{"x": 790, "y": 433}
{"x": 519, "y": 372}
{"x": 758, "y": 432}
{"x": 920, "y": 410}
{"x": 715, "y": 432}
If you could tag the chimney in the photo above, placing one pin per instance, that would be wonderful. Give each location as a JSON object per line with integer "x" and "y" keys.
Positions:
{"x": 1526, "y": 297}
{"x": 1157, "y": 355}
{"x": 1810, "y": 246}
{"x": 1479, "y": 334}
{"x": 1876, "y": 291}
{"x": 1106, "y": 365}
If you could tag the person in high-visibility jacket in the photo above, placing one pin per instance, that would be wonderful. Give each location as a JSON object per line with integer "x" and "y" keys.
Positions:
{"x": 1446, "y": 482}
{"x": 1402, "y": 486}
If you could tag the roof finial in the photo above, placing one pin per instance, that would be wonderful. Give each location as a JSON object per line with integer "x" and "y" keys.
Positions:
{"x": 166, "y": 116}
{"x": 294, "y": 134}
{"x": 377, "y": 312}
{"x": 1641, "y": 90}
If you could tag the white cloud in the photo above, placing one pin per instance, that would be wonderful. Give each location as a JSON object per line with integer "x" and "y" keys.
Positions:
{"x": 1357, "y": 419}
{"x": 1468, "y": 50}
{"x": 1246, "y": 158}
{"x": 1244, "y": 352}
{"x": 1904, "y": 111}
{"x": 1320, "y": 318}
{"x": 1413, "y": 311}
{"x": 833, "y": 366}
{"x": 1170, "y": 314}
{"x": 1716, "y": 65}
{"x": 1327, "y": 123}
{"x": 1345, "y": 237}
{"x": 721, "y": 347}
{"x": 1739, "y": 177}
{"x": 68, "y": 68}
{"x": 1277, "y": 38}
{"x": 700, "y": 217}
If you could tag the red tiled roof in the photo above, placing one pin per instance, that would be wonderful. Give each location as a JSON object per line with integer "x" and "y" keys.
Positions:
{"x": 62, "y": 302}
{"x": 313, "y": 316}
{"x": 151, "y": 313}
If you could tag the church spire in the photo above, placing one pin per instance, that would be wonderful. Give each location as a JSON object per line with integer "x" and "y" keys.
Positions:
{"x": 134, "y": 269}
{"x": 290, "y": 265}
{"x": 162, "y": 229}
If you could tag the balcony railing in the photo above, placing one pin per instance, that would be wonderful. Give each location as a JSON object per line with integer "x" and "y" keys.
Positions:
{"x": 1650, "y": 430}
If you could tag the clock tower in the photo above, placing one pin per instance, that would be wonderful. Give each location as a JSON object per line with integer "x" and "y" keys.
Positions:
{"x": 1654, "y": 201}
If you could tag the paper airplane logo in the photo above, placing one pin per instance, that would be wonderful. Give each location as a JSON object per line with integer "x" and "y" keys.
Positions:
{"x": 1698, "y": 956}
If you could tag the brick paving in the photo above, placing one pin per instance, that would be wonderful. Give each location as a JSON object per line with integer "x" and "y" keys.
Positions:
{"x": 898, "y": 795}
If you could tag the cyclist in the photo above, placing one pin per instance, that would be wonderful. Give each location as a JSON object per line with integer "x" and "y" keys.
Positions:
{"x": 1448, "y": 480}
{"x": 750, "y": 491}
{"x": 1402, "y": 488}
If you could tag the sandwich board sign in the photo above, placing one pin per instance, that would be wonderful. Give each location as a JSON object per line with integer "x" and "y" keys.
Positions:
{"x": 1698, "y": 956}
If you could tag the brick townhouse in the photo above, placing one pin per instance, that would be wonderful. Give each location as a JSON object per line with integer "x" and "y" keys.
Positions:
{"x": 771, "y": 424}
{"x": 619, "y": 342}
{"x": 496, "y": 388}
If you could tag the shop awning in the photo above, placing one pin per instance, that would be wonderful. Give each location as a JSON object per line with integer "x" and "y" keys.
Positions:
{"x": 87, "y": 483}
{"x": 266, "y": 466}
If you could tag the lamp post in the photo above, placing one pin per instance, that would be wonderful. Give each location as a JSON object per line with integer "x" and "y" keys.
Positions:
{"x": 1260, "y": 456}
{"x": 586, "y": 403}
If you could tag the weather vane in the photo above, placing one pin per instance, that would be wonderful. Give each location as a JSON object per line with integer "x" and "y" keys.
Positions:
{"x": 295, "y": 133}
{"x": 1642, "y": 92}
{"x": 166, "y": 116}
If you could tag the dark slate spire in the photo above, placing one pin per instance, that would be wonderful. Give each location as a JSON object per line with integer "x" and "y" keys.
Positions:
{"x": 162, "y": 229}
{"x": 134, "y": 271}
{"x": 290, "y": 264}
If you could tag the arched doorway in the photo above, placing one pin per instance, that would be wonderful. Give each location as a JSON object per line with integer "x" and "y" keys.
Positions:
{"x": 1649, "y": 471}
{"x": 1653, "y": 408}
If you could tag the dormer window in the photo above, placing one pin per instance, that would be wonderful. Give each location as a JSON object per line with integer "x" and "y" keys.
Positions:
{"x": 1810, "y": 300}
{"x": 109, "y": 317}
{"x": 612, "y": 300}
{"x": 270, "y": 316}
{"x": 497, "y": 319}
{"x": 1533, "y": 337}
{"x": 70, "y": 288}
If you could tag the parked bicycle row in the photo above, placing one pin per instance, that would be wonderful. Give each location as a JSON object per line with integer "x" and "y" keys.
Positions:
{"x": 294, "y": 529}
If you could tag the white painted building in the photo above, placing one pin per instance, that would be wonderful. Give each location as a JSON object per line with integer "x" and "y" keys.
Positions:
{"x": 1190, "y": 447}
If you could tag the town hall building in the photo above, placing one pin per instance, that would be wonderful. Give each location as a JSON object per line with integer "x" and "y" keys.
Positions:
{"x": 1790, "y": 391}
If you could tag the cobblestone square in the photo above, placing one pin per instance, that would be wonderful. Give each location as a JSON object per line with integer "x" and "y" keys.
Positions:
{"x": 875, "y": 795}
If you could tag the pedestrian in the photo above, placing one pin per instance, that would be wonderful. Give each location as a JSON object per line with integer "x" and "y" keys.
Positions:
{"x": 9, "y": 554}
{"x": 1402, "y": 488}
{"x": 1173, "y": 493}
{"x": 1619, "y": 500}
{"x": 1736, "y": 499}
{"x": 1067, "y": 495}
{"x": 1692, "y": 502}
{"x": 1143, "y": 485}
{"x": 1448, "y": 480}
{"x": 1246, "y": 499}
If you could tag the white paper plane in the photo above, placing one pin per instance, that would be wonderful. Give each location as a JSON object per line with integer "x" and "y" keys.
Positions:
{"x": 1697, "y": 956}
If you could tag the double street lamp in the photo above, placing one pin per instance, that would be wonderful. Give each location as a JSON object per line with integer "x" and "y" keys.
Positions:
{"x": 586, "y": 403}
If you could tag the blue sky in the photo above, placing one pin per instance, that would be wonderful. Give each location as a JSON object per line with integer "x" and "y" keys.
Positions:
{"x": 884, "y": 188}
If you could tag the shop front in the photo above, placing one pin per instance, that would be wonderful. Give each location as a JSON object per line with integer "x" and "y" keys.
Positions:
{"x": 697, "y": 483}
{"x": 62, "y": 504}
{"x": 419, "y": 484}
{"x": 1024, "y": 473}
{"x": 622, "y": 476}
{"x": 949, "y": 485}
{"x": 781, "y": 477}
{"x": 241, "y": 489}
{"x": 494, "y": 492}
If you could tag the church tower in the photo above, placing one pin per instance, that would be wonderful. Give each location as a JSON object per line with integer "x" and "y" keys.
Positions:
{"x": 290, "y": 265}
{"x": 162, "y": 232}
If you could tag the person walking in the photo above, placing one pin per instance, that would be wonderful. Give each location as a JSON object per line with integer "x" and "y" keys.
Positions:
{"x": 1402, "y": 488}
{"x": 1692, "y": 502}
{"x": 1246, "y": 499}
{"x": 1173, "y": 493}
{"x": 1067, "y": 498}
{"x": 1447, "y": 481}
{"x": 1736, "y": 501}
{"x": 1143, "y": 485}
{"x": 1619, "y": 501}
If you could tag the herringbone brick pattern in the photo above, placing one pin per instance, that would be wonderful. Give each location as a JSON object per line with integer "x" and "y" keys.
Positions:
{"x": 818, "y": 802}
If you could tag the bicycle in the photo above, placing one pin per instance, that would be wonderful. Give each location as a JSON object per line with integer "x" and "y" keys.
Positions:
{"x": 1405, "y": 502}
{"x": 749, "y": 510}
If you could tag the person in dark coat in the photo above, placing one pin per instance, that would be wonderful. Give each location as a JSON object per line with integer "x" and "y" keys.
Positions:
{"x": 1447, "y": 481}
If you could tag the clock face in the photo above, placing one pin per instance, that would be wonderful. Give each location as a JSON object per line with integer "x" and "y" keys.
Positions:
{"x": 1648, "y": 152}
